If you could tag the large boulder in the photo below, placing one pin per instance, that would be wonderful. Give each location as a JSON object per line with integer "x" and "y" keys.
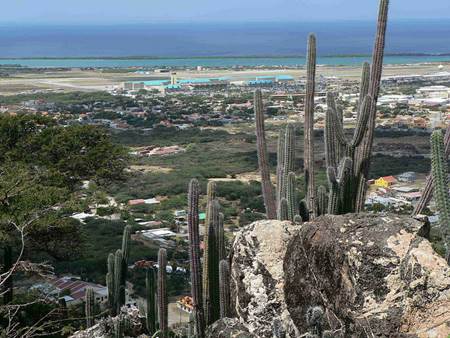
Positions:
{"x": 257, "y": 280}
{"x": 374, "y": 275}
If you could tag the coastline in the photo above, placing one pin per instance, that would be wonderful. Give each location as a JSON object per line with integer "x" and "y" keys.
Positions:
{"x": 216, "y": 61}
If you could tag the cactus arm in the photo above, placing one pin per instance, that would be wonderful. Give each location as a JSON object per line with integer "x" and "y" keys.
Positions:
{"x": 361, "y": 123}
{"x": 364, "y": 150}
{"x": 364, "y": 85}
{"x": 263, "y": 162}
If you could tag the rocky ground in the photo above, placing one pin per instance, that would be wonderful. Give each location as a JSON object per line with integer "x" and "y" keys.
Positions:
{"x": 373, "y": 275}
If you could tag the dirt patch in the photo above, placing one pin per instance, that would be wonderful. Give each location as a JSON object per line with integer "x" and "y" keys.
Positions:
{"x": 150, "y": 169}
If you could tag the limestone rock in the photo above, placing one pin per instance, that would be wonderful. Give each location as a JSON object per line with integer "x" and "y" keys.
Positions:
{"x": 257, "y": 280}
{"x": 374, "y": 275}
{"x": 228, "y": 328}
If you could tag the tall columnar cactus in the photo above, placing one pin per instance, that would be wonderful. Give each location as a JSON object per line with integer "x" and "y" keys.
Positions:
{"x": 263, "y": 161}
{"x": 291, "y": 194}
{"x": 194, "y": 257}
{"x": 89, "y": 307}
{"x": 119, "y": 328}
{"x": 7, "y": 269}
{"x": 337, "y": 147}
{"x": 427, "y": 193}
{"x": 162, "y": 293}
{"x": 110, "y": 283}
{"x": 119, "y": 286}
{"x": 322, "y": 201}
{"x": 280, "y": 165}
{"x": 150, "y": 288}
{"x": 309, "y": 123}
{"x": 126, "y": 243}
{"x": 286, "y": 185}
{"x": 439, "y": 170}
{"x": 284, "y": 210}
{"x": 211, "y": 266}
{"x": 224, "y": 283}
{"x": 364, "y": 150}
{"x": 303, "y": 211}
{"x": 221, "y": 237}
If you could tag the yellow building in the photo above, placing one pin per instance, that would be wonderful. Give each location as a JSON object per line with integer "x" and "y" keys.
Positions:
{"x": 385, "y": 182}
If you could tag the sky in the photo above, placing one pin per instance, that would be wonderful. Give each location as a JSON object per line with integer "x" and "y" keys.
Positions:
{"x": 149, "y": 11}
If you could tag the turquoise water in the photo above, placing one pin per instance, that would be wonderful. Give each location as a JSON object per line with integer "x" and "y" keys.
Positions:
{"x": 215, "y": 62}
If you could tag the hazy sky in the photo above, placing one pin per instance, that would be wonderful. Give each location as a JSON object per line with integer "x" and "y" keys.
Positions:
{"x": 129, "y": 11}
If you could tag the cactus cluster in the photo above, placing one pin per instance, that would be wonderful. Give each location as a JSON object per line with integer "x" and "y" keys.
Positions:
{"x": 210, "y": 290}
{"x": 117, "y": 264}
{"x": 439, "y": 170}
{"x": 347, "y": 160}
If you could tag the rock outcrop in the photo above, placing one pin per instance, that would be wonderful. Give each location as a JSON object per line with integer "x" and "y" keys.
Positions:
{"x": 257, "y": 278}
{"x": 375, "y": 276}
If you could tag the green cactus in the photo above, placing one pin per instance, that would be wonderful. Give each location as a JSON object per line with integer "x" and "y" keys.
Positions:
{"x": 126, "y": 243}
{"x": 224, "y": 283}
{"x": 150, "y": 287}
{"x": 119, "y": 328}
{"x": 322, "y": 201}
{"x": 364, "y": 149}
{"x": 162, "y": 293}
{"x": 309, "y": 123}
{"x": 291, "y": 194}
{"x": 303, "y": 211}
{"x": 439, "y": 170}
{"x": 211, "y": 265}
{"x": 89, "y": 307}
{"x": 118, "y": 275}
{"x": 427, "y": 193}
{"x": 263, "y": 161}
{"x": 284, "y": 210}
{"x": 221, "y": 237}
{"x": 194, "y": 257}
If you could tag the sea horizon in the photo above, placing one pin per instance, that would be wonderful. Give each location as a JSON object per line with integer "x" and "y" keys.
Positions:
{"x": 219, "y": 44}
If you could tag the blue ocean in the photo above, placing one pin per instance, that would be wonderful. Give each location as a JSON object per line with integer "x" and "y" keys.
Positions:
{"x": 220, "y": 44}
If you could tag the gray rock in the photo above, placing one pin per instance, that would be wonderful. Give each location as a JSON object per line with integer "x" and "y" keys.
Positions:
{"x": 374, "y": 275}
